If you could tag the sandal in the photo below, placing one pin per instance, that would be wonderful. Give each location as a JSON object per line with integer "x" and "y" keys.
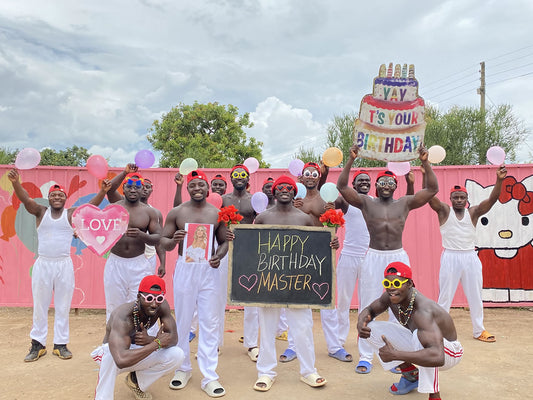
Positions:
{"x": 180, "y": 380}
{"x": 265, "y": 380}
{"x": 341, "y": 355}
{"x": 363, "y": 364}
{"x": 288, "y": 355}
{"x": 253, "y": 353}
{"x": 214, "y": 389}
{"x": 486, "y": 337}
{"x": 313, "y": 380}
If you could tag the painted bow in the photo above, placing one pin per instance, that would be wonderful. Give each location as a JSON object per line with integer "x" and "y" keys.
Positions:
{"x": 511, "y": 189}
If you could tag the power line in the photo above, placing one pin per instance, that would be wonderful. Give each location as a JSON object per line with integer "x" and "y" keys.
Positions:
{"x": 511, "y": 52}
{"x": 514, "y": 77}
{"x": 512, "y": 60}
{"x": 510, "y": 69}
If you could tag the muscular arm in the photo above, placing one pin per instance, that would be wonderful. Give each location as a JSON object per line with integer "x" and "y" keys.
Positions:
{"x": 112, "y": 195}
{"x": 375, "y": 308}
{"x": 105, "y": 188}
{"x": 178, "y": 179}
{"x": 171, "y": 235}
{"x": 31, "y": 205}
{"x": 486, "y": 205}
{"x": 432, "y": 186}
{"x": 153, "y": 235}
{"x": 349, "y": 194}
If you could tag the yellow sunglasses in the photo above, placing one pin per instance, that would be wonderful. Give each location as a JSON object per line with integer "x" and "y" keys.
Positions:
{"x": 237, "y": 175}
{"x": 396, "y": 283}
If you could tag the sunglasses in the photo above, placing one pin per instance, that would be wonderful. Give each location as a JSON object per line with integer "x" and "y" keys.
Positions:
{"x": 150, "y": 297}
{"x": 386, "y": 182}
{"x": 396, "y": 283}
{"x": 237, "y": 175}
{"x": 313, "y": 174}
{"x": 284, "y": 187}
{"x": 134, "y": 182}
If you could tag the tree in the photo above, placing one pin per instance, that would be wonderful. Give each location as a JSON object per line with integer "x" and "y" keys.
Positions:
{"x": 466, "y": 133}
{"x": 7, "y": 156}
{"x": 210, "y": 133}
{"x": 72, "y": 156}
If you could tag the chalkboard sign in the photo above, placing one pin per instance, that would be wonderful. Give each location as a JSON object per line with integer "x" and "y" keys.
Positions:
{"x": 282, "y": 266}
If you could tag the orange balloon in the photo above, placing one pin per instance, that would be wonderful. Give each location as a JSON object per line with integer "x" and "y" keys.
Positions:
{"x": 332, "y": 157}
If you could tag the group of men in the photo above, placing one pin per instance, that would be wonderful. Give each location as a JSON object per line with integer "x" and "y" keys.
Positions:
{"x": 143, "y": 339}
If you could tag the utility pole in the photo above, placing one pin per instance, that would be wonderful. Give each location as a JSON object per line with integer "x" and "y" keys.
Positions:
{"x": 481, "y": 90}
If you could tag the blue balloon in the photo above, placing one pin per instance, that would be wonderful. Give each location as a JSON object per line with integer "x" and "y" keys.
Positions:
{"x": 329, "y": 192}
{"x": 302, "y": 191}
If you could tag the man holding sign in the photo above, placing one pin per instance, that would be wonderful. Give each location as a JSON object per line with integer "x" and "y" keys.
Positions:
{"x": 53, "y": 271}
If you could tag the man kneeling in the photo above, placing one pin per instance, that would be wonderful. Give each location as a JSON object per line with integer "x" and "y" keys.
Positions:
{"x": 128, "y": 347}
{"x": 426, "y": 336}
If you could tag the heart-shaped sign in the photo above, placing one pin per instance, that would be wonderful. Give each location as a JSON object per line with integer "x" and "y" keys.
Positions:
{"x": 100, "y": 229}
{"x": 321, "y": 289}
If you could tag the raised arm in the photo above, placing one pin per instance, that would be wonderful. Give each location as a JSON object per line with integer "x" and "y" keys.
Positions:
{"x": 112, "y": 195}
{"x": 178, "y": 179}
{"x": 104, "y": 188}
{"x": 410, "y": 180}
{"x": 31, "y": 205}
{"x": 486, "y": 205}
{"x": 432, "y": 186}
{"x": 349, "y": 193}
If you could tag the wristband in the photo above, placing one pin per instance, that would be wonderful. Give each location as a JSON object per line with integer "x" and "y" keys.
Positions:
{"x": 158, "y": 343}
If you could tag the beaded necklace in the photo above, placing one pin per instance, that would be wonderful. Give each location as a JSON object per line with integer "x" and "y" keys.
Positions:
{"x": 406, "y": 315}
{"x": 136, "y": 322}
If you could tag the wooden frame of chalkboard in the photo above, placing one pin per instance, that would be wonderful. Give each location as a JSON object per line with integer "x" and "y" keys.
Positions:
{"x": 282, "y": 266}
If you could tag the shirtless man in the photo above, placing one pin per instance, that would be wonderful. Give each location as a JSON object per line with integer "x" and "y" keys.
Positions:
{"x": 196, "y": 284}
{"x": 53, "y": 271}
{"x": 300, "y": 320}
{"x": 385, "y": 219}
{"x": 267, "y": 189}
{"x": 242, "y": 200}
{"x": 128, "y": 348}
{"x": 127, "y": 264}
{"x": 425, "y": 335}
{"x": 459, "y": 261}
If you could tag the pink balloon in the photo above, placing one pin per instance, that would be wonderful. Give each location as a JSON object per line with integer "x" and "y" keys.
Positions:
{"x": 399, "y": 168}
{"x": 97, "y": 166}
{"x": 214, "y": 199}
{"x": 28, "y": 158}
{"x": 259, "y": 202}
{"x": 296, "y": 167}
{"x": 496, "y": 155}
{"x": 252, "y": 164}
{"x": 144, "y": 159}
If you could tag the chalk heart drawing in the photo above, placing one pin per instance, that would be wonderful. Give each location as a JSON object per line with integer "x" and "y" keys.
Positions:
{"x": 322, "y": 289}
{"x": 248, "y": 282}
{"x": 100, "y": 229}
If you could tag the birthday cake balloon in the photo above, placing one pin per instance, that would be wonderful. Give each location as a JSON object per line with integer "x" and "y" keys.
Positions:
{"x": 391, "y": 121}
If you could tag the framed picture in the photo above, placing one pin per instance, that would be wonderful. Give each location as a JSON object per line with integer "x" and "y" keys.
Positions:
{"x": 198, "y": 243}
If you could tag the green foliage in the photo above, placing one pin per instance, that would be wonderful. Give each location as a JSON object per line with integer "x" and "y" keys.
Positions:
{"x": 466, "y": 133}
{"x": 72, "y": 157}
{"x": 307, "y": 155}
{"x": 7, "y": 156}
{"x": 210, "y": 133}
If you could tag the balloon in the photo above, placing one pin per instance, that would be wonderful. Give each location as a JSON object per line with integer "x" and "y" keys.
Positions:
{"x": 259, "y": 202}
{"x": 295, "y": 167}
{"x": 329, "y": 192}
{"x": 144, "y": 159}
{"x": 436, "y": 154}
{"x": 252, "y": 164}
{"x": 214, "y": 199}
{"x": 28, "y": 158}
{"x": 496, "y": 155}
{"x": 97, "y": 166}
{"x": 399, "y": 168}
{"x": 332, "y": 157}
{"x": 188, "y": 165}
{"x": 302, "y": 191}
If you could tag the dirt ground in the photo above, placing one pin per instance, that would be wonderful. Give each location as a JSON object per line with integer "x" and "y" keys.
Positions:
{"x": 498, "y": 370}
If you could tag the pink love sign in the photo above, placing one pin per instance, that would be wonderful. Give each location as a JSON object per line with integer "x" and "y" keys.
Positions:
{"x": 100, "y": 229}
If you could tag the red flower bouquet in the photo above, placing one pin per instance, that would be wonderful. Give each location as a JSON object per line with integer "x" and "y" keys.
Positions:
{"x": 332, "y": 218}
{"x": 229, "y": 215}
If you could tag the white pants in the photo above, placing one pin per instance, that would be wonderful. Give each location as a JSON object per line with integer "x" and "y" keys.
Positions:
{"x": 330, "y": 327}
{"x": 196, "y": 285}
{"x": 250, "y": 327}
{"x": 371, "y": 287}
{"x": 52, "y": 277}
{"x": 149, "y": 370}
{"x": 464, "y": 266}
{"x": 403, "y": 339}
{"x": 122, "y": 277}
{"x": 300, "y": 322}
{"x": 348, "y": 272}
{"x": 223, "y": 297}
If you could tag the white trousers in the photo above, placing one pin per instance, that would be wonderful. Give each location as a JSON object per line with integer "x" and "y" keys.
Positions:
{"x": 122, "y": 277}
{"x": 250, "y": 327}
{"x": 52, "y": 277}
{"x": 371, "y": 287}
{"x": 348, "y": 272}
{"x": 403, "y": 339}
{"x": 300, "y": 322}
{"x": 464, "y": 266}
{"x": 222, "y": 297}
{"x": 196, "y": 285}
{"x": 149, "y": 370}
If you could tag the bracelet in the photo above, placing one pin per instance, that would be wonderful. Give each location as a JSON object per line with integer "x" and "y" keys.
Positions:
{"x": 158, "y": 343}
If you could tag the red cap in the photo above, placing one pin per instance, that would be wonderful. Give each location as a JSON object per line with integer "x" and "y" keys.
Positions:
{"x": 134, "y": 176}
{"x": 196, "y": 174}
{"x": 268, "y": 180}
{"x": 312, "y": 165}
{"x": 56, "y": 188}
{"x": 240, "y": 166}
{"x": 402, "y": 270}
{"x": 458, "y": 188}
{"x": 152, "y": 280}
{"x": 220, "y": 178}
{"x": 285, "y": 179}
{"x": 359, "y": 172}
{"x": 387, "y": 173}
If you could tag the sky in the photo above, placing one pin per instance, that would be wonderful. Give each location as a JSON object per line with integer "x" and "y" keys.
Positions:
{"x": 97, "y": 74}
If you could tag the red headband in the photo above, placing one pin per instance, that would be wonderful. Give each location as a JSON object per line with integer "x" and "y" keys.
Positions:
{"x": 56, "y": 188}
{"x": 197, "y": 174}
{"x": 134, "y": 176}
{"x": 152, "y": 280}
{"x": 359, "y": 172}
{"x": 240, "y": 166}
{"x": 268, "y": 180}
{"x": 387, "y": 173}
{"x": 285, "y": 179}
{"x": 312, "y": 165}
{"x": 402, "y": 270}
{"x": 220, "y": 178}
{"x": 458, "y": 188}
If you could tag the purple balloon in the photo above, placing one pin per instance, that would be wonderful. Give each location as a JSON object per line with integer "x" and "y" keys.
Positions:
{"x": 144, "y": 159}
{"x": 496, "y": 155}
{"x": 259, "y": 202}
{"x": 28, "y": 158}
{"x": 296, "y": 167}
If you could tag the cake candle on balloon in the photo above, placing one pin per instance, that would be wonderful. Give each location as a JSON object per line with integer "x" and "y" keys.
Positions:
{"x": 397, "y": 71}
{"x": 389, "y": 71}
{"x": 404, "y": 71}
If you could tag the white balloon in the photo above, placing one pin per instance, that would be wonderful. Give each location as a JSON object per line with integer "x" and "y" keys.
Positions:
{"x": 496, "y": 155}
{"x": 436, "y": 154}
{"x": 399, "y": 168}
